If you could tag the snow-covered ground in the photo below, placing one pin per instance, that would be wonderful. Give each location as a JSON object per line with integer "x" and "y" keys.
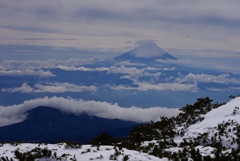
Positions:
{"x": 82, "y": 153}
{"x": 218, "y": 125}
{"x": 229, "y": 111}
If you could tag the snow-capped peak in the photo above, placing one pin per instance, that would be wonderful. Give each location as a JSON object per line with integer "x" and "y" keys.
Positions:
{"x": 148, "y": 49}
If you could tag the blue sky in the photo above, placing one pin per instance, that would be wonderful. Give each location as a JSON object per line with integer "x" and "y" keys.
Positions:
{"x": 117, "y": 25}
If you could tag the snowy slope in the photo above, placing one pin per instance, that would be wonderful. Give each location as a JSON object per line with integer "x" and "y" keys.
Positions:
{"x": 146, "y": 50}
{"x": 217, "y": 116}
{"x": 214, "y": 136}
{"x": 82, "y": 153}
{"x": 219, "y": 125}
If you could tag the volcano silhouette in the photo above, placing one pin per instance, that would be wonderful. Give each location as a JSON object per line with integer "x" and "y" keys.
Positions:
{"x": 146, "y": 51}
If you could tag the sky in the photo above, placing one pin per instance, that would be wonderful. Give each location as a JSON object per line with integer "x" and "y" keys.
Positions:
{"x": 117, "y": 25}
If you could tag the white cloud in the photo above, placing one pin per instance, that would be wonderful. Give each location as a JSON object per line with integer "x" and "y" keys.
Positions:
{"x": 135, "y": 73}
{"x": 130, "y": 71}
{"x": 169, "y": 69}
{"x": 72, "y": 68}
{"x": 29, "y": 72}
{"x": 168, "y": 86}
{"x": 15, "y": 113}
{"x": 39, "y": 67}
{"x": 128, "y": 63}
{"x": 44, "y": 64}
{"x": 25, "y": 88}
{"x": 51, "y": 88}
{"x": 159, "y": 87}
{"x": 224, "y": 89}
{"x": 63, "y": 87}
{"x": 223, "y": 78}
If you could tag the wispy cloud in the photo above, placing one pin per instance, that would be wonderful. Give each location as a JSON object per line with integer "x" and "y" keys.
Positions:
{"x": 128, "y": 63}
{"x": 129, "y": 72}
{"x": 72, "y": 68}
{"x": 159, "y": 87}
{"x": 28, "y": 66}
{"x": 223, "y": 78}
{"x": 27, "y": 72}
{"x": 50, "y": 88}
{"x": 15, "y": 113}
{"x": 136, "y": 73}
{"x": 63, "y": 87}
{"x": 24, "y": 88}
{"x": 215, "y": 60}
{"x": 107, "y": 24}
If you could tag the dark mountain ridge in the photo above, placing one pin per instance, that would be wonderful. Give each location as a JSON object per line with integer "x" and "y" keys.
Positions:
{"x": 45, "y": 124}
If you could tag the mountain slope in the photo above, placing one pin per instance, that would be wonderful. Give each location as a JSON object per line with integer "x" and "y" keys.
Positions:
{"x": 224, "y": 113}
{"x": 211, "y": 139}
{"x": 145, "y": 52}
{"x": 45, "y": 124}
{"x": 203, "y": 131}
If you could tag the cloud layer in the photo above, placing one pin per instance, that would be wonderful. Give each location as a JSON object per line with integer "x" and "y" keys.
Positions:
{"x": 27, "y": 72}
{"x": 15, "y": 113}
{"x": 222, "y": 78}
{"x": 159, "y": 87}
{"x": 107, "y": 24}
{"x": 50, "y": 88}
{"x": 144, "y": 78}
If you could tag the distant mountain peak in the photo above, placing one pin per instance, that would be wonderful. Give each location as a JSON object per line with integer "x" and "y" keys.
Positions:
{"x": 146, "y": 50}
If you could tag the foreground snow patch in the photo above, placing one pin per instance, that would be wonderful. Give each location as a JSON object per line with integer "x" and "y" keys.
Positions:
{"x": 85, "y": 152}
